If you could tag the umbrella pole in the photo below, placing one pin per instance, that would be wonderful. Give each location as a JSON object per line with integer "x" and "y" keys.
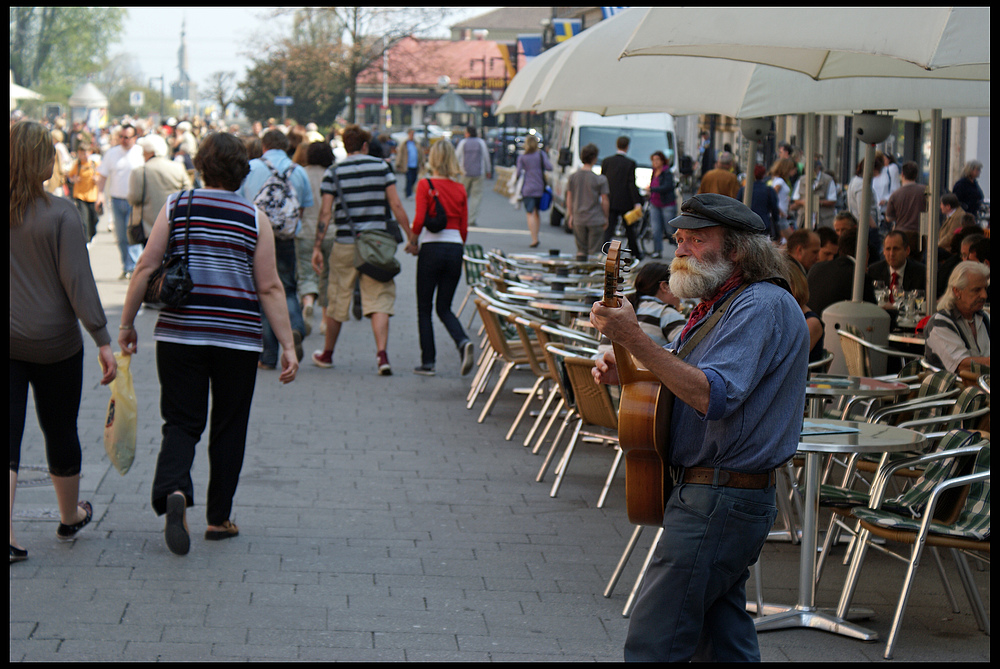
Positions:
{"x": 861, "y": 253}
{"x": 806, "y": 185}
{"x": 748, "y": 182}
{"x": 933, "y": 197}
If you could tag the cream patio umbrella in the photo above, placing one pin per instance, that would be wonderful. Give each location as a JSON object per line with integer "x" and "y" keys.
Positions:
{"x": 827, "y": 42}
{"x": 584, "y": 74}
{"x": 915, "y": 47}
{"x": 20, "y": 93}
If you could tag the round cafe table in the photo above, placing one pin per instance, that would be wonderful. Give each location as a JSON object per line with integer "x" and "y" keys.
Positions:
{"x": 821, "y": 387}
{"x": 846, "y": 437}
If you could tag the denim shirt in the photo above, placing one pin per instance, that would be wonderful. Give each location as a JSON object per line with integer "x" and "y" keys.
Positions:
{"x": 756, "y": 362}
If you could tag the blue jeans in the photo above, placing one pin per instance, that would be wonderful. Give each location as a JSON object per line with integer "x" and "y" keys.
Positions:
{"x": 121, "y": 210}
{"x": 411, "y": 179}
{"x": 284, "y": 256}
{"x": 439, "y": 269}
{"x": 659, "y": 217}
{"x": 692, "y": 604}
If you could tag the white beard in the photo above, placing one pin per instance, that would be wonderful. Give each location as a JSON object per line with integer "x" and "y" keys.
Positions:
{"x": 699, "y": 280}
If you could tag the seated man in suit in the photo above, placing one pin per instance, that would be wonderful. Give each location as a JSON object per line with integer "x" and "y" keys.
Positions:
{"x": 898, "y": 270}
{"x": 833, "y": 281}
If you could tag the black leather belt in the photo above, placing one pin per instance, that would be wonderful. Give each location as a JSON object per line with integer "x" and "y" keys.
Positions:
{"x": 729, "y": 479}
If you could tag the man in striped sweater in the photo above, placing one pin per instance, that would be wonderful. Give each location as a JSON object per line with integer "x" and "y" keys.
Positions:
{"x": 368, "y": 184}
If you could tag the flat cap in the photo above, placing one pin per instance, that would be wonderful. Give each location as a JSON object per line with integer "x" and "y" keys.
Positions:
{"x": 708, "y": 209}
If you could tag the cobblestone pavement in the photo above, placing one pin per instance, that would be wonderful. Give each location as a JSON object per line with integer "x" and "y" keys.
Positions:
{"x": 379, "y": 521}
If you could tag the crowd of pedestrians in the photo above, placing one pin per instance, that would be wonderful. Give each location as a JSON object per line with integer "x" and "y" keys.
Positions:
{"x": 250, "y": 212}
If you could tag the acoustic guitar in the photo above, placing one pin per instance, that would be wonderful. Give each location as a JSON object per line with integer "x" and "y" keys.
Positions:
{"x": 643, "y": 420}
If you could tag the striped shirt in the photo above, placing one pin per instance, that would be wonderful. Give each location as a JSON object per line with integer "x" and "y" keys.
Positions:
{"x": 658, "y": 320}
{"x": 363, "y": 180}
{"x": 222, "y": 309}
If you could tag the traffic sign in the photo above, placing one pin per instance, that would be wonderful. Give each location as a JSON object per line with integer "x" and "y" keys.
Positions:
{"x": 284, "y": 101}
{"x": 135, "y": 98}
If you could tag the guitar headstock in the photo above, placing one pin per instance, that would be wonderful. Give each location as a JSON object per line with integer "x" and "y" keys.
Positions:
{"x": 617, "y": 262}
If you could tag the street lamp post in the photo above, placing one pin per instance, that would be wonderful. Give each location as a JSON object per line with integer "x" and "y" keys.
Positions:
{"x": 151, "y": 80}
{"x": 482, "y": 116}
{"x": 504, "y": 131}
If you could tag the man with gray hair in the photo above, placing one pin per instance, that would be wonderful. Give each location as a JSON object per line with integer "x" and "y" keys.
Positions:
{"x": 721, "y": 180}
{"x": 958, "y": 334}
{"x": 474, "y": 159}
{"x": 149, "y": 186}
{"x": 739, "y": 389}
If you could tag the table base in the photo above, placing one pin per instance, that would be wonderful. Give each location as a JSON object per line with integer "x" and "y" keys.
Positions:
{"x": 783, "y": 617}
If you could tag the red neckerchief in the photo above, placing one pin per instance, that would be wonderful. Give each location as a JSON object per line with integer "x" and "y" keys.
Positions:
{"x": 705, "y": 306}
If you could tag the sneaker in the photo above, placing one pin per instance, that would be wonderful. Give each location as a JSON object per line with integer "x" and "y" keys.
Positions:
{"x": 323, "y": 358}
{"x": 383, "y": 364}
{"x": 176, "y": 532}
{"x": 468, "y": 357}
{"x": 424, "y": 370}
{"x": 297, "y": 340}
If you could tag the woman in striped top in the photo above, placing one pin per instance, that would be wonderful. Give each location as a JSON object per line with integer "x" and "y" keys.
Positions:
{"x": 655, "y": 306}
{"x": 211, "y": 343}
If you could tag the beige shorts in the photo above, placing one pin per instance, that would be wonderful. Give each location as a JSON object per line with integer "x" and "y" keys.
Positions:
{"x": 376, "y": 297}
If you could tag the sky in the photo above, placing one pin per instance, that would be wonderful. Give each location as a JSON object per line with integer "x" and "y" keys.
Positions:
{"x": 217, "y": 38}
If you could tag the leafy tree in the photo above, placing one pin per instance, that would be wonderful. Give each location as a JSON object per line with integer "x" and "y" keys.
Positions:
{"x": 363, "y": 34}
{"x": 316, "y": 88}
{"x": 52, "y": 48}
{"x": 221, "y": 88}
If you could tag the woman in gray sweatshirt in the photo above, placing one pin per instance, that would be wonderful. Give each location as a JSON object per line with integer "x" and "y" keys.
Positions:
{"x": 51, "y": 288}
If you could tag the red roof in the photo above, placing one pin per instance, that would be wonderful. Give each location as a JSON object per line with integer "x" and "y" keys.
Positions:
{"x": 421, "y": 62}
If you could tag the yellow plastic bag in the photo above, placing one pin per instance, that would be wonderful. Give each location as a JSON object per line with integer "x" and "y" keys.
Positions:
{"x": 120, "y": 425}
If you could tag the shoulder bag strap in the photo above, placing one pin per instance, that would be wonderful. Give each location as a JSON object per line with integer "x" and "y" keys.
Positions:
{"x": 187, "y": 223}
{"x": 142, "y": 204}
{"x": 341, "y": 202}
{"x": 710, "y": 323}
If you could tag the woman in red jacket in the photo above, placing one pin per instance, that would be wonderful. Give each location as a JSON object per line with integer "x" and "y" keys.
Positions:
{"x": 439, "y": 261}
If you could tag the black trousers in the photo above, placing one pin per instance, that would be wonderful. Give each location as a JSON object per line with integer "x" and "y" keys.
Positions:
{"x": 57, "y": 388}
{"x": 439, "y": 269}
{"x": 188, "y": 374}
{"x": 630, "y": 230}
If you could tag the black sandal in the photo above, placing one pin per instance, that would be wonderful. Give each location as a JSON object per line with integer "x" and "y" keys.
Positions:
{"x": 68, "y": 532}
{"x": 17, "y": 554}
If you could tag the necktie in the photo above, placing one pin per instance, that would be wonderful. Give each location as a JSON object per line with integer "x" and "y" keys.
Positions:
{"x": 892, "y": 287}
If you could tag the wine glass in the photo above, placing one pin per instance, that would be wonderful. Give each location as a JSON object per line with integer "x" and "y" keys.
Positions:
{"x": 881, "y": 293}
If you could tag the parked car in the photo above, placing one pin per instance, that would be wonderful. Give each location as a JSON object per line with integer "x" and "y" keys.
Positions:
{"x": 432, "y": 134}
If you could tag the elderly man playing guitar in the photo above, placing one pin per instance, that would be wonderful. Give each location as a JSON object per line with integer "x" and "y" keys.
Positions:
{"x": 738, "y": 384}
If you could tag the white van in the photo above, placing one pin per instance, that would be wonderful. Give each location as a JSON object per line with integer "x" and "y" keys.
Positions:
{"x": 570, "y": 130}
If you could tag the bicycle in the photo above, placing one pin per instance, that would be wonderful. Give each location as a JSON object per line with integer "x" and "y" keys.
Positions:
{"x": 644, "y": 231}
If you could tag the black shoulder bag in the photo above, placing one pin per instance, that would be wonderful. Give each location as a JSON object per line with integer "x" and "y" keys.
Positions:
{"x": 170, "y": 284}
{"x": 439, "y": 220}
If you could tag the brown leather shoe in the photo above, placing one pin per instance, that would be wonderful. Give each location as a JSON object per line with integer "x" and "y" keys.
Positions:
{"x": 228, "y": 531}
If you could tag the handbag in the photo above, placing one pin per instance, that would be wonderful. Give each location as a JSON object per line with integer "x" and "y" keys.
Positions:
{"x": 546, "y": 200}
{"x": 438, "y": 221}
{"x": 136, "y": 231}
{"x": 170, "y": 284}
{"x": 374, "y": 250}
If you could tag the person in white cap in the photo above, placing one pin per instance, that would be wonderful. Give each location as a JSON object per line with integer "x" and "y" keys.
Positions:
{"x": 150, "y": 185}
{"x": 313, "y": 134}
